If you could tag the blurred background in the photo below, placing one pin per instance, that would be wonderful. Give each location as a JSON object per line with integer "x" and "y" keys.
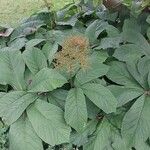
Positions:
{"x": 13, "y": 11}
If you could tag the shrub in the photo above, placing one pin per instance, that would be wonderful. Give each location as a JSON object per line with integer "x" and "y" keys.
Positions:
{"x": 77, "y": 79}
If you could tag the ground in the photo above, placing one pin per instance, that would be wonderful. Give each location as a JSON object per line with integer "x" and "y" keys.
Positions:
{"x": 12, "y": 11}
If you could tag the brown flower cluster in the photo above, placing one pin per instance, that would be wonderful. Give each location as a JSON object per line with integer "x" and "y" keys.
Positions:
{"x": 74, "y": 53}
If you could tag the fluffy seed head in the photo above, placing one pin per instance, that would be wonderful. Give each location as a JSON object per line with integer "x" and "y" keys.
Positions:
{"x": 74, "y": 53}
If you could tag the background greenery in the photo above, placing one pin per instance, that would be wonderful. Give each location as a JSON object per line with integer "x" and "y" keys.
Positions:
{"x": 12, "y": 11}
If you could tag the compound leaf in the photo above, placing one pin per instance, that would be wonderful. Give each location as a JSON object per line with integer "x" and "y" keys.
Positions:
{"x": 48, "y": 122}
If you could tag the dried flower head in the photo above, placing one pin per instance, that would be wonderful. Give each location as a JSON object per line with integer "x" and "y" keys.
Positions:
{"x": 74, "y": 53}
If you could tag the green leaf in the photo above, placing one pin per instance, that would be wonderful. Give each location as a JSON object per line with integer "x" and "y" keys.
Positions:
{"x": 51, "y": 55}
{"x": 27, "y": 28}
{"x": 128, "y": 52}
{"x": 56, "y": 35}
{"x": 148, "y": 19}
{"x": 12, "y": 70}
{"x": 110, "y": 42}
{"x": 2, "y": 94}
{"x": 33, "y": 42}
{"x": 118, "y": 73}
{"x": 49, "y": 51}
{"x": 4, "y": 88}
{"x": 68, "y": 10}
{"x": 148, "y": 33}
{"x": 47, "y": 80}
{"x": 90, "y": 31}
{"x": 99, "y": 55}
{"x": 89, "y": 145}
{"x": 110, "y": 17}
{"x": 127, "y": 3}
{"x": 142, "y": 146}
{"x": 111, "y": 30}
{"x": 23, "y": 137}
{"x": 97, "y": 2}
{"x": 58, "y": 97}
{"x": 68, "y": 21}
{"x": 149, "y": 79}
{"x": 18, "y": 43}
{"x": 92, "y": 109}
{"x": 118, "y": 143}
{"x": 75, "y": 109}
{"x": 103, "y": 136}
{"x": 125, "y": 94}
{"x": 100, "y": 96}
{"x": 96, "y": 69}
{"x": 35, "y": 60}
{"x": 138, "y": 39}
{"x": 48, "y": 122}
{"x": 131, "y": 24}
{"x": 136, "y": 123}
{"x": 94, "y": 29}
{"x": 143, "y": 66}
{"x": 47, "y": 48}
{"x": 106, "y": 137}
{"x": 80, "y": 139}
{"x": 13, "y": 104}
{"x": 141, "y": 79}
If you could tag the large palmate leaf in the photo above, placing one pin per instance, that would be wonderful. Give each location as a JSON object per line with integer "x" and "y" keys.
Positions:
{"x": 23, "y": 137}
{"x": 125, "y": 94}
{"x": 47, "y": 80}
{"x": 13, "y": 104}
{"x": 75, "y": 109}
{"x": 96, "y": 69}
{"x": 106, "y": 137}
{"x": 100, "y": 96}
{"x": 35, "y": 60}
{"x": 48, "y": 122}
{"x": 118, "y": 73}
{"x": 137, "y": 38}
{"x": 12, "y": 69}
{"x": 128, "y": 52}
{"x": 141, "y": 79}
{"x": 136, "y": 123}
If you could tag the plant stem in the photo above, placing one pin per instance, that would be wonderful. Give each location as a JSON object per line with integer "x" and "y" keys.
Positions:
{"x": 71, "y": 81}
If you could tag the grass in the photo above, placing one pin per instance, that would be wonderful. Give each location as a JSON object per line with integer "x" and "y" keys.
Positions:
{"x": 13, "y": 11}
